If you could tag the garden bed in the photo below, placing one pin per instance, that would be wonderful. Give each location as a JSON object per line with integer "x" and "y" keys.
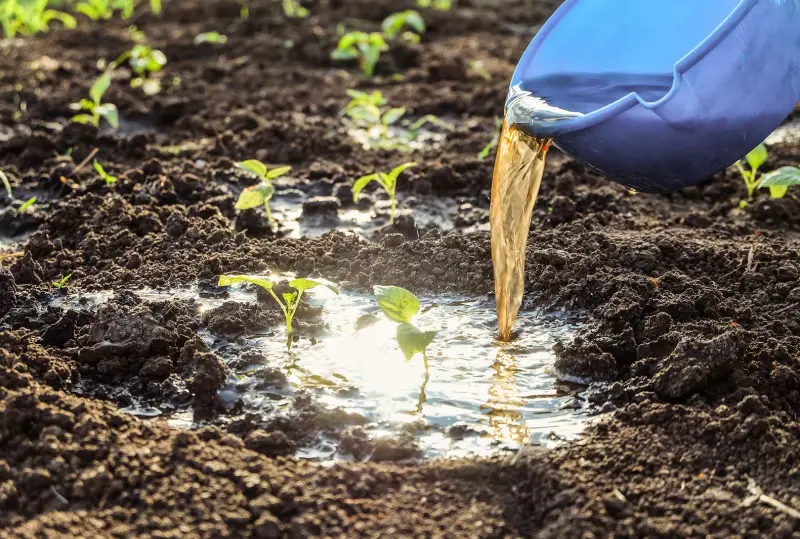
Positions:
{"x": 127, "y": 398}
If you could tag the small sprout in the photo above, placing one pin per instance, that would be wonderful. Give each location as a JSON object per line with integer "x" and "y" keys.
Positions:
{"x": 62, "y": 282}
{"x": 399, "y": 305}
{"x": 215, "y": 38}
{"x": 290, "y": 301}
{"x": 26, "y": 205}
{"x": 394, "y": 24}
{"x": 441, "y": 5}
{"x": 779, "y": 181}
{"x": 95, "y": 109}
{"x": 256, "y": 195}
{"x": 6, "y": 184}
{"x": 293, "y": 9}
{"x": 155, "y": 6}
{"x": 144, "y": 61}
{"x": 387, "y": 181}
{"x": 109, "y": 179}
{"x": 363, "y": 47}
{"x": 414, "y": 128}
{"x": 476, "y": 67}
{"x": 757, "y": 157}
{"x": 484, "y": 153}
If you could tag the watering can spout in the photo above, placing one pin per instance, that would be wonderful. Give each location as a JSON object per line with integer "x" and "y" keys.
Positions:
{"x": 657, "y": 95}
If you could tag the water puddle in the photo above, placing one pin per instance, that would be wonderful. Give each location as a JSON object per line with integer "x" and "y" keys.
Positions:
{"x": 480, "y": 397}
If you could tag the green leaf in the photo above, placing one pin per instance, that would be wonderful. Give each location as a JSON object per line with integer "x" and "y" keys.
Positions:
{"x": 210, "y": 37}
{"x": 276, "y": 172}
{"x": 392, "y": 115}
{"x": 289, "y": 298}
{"x": 302, "y": 284}
{"x": 412, "y": 340}
{"x": 396, "y": 171}
{"x": 108, "y": 112}
{"x": 263, "y": 282}
{"x": 778, "y": 191}
{"x": 83, "y": 119}
{"x": 256, "y": 167}
{"x": 783, "y": 177}
{"x": 99, "y": 87}
{"x": 26, "y": 205}
{"x": 361, "y": 183}
{"x": 252, "y": 197}
{"x": 757, "y": 157}
{"x": 398, "y": 304}
{"x": 61, "y": 283}
{"x": 343, "y": 54}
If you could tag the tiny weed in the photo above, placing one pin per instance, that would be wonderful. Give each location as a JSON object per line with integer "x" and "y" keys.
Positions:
{"x": 108, "y": 178}
{"x": 293, "y": 9}
{"x": 30, "y": 17}
{"x": 387, "y": 181}
{"x": 290, "y": 300}
{"x": 256, "y": 195}
{"x": 399, "y": 305}
{"x": 394, "y": 24}
{"x": 484, "y": 153}
{"x": 62, "y": 282}
{"x": 215, "y": 38}
{"x": 94, "y": 107}
{"x": 28, "y": 204}
{"x": 363, "y": 47}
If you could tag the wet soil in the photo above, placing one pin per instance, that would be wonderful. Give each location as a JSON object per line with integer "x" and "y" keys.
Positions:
{"x": 692, "y": 344}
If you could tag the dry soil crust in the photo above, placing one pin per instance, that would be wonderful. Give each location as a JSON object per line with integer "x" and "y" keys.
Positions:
{"x": 693, "y": 341}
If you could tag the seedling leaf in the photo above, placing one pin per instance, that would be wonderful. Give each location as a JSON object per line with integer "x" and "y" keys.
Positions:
{"x": 61, "y": 283}
{"x": 396, "y": 171}
{"x": 361, "y": 183}
{"x": 6, "y": 184}
{"x": 276, "y": 172}
{"x": 412, "y": 340}
{"x": 783, "y": 177}
{"x": 398, "y": 304}
{"x": 26, "y": 205}
{"x": 228, "y": 280}
{"x": 252, "y": 197}
{"x": 99, "y": 87}
{"x": 109, "y": 179}
{"x": 303, "y": 284}
{"x": 757, "y": 157}
{"x": 392, "y": 115}
{"x": 256, "y": 167}
{"x": 108, "y": 111}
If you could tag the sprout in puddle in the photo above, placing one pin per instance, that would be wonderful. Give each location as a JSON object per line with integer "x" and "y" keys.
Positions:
{"x": 62, "y": 282}
{"x": 290, "y": 301}
{"x": 256, "y": 195}
{"x": 389, "y": 184}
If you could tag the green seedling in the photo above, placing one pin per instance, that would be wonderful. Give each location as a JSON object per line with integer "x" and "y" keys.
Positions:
{"x": 367, "y": 111}
{"x": 484, "y": 153}
{"x": 256, "y": 195}
{"x": 144, "y": 61}
{"x": 156, "y": 7}
{"x": 28, "y": 204}
{"x": 30, "y": 17}
{"x": 441, "y": 5}
{"x": 401, "y": 306}
{"x": 387, "y": 181}
{"x": 62, "y": 282}
{"x": 293, "y": 9}
{"x": 97, "y": 9}
{"x": 215, "y": 38}
{"x": 108, "y": 178}
{"x": 415, "y": 128}
{"x": 394, "y": 24}
{"x": 94, "y": 107}
{"x": 6, "y": 184}
{"x": 289, "y": 302}
{"x": 363, "y": 47}
{"x": 757, "y": 157}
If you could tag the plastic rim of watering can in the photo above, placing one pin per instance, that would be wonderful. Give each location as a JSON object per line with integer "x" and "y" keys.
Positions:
{"x": 728, "y": 91}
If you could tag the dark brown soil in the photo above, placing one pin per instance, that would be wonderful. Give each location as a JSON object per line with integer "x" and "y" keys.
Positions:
{"x": 693, "y": 340}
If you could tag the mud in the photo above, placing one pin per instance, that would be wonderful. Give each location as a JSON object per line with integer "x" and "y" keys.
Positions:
{"x": 693, "y": 303}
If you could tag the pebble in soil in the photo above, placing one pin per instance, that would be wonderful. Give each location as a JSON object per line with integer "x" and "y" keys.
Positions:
{"x": 346, "y": 370}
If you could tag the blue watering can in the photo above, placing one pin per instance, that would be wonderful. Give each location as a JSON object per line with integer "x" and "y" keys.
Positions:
{"x": 659, "y": 94}
{"x": 656, "y": 94}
